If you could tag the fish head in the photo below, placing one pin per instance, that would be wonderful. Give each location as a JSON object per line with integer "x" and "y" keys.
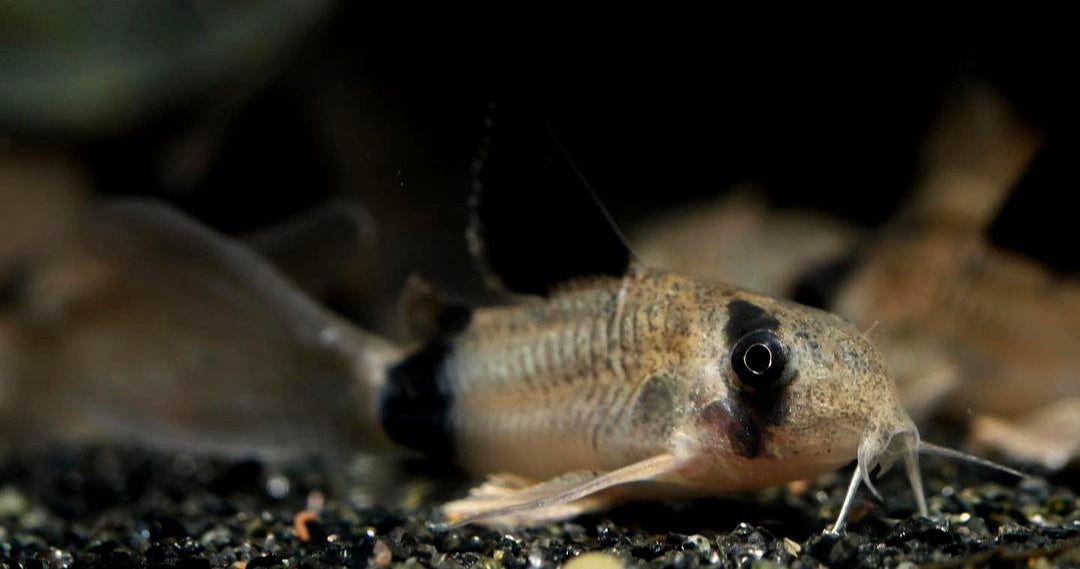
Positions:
{"x": 789, "y": 391}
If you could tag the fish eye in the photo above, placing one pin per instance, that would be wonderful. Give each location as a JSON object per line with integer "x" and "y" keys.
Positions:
{"x": 759, "y": 359}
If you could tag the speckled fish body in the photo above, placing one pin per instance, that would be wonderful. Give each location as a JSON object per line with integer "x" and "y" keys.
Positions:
{"x": 609, "y": 372}
{"x": 602, "y": 385}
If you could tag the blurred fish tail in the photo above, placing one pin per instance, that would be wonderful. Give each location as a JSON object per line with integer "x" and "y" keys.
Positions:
{"x": 152, "y": 327}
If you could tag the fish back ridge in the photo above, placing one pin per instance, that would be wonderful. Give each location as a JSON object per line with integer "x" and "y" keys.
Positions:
{"x": 558, "y": 377}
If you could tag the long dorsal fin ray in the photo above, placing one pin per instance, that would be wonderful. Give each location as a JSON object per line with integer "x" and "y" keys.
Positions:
{"x": 536, "y": 222}
{"x": 610, "y": 219}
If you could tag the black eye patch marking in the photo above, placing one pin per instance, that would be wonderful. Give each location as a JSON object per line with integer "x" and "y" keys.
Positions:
{"x": 745, "y": 317}
{"x": 760, "y": 361}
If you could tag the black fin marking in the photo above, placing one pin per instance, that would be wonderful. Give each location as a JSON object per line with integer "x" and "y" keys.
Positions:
{"x": 416, "y": 401}
{"x": 535, "y": 223}
{"x": 745, "y": 317}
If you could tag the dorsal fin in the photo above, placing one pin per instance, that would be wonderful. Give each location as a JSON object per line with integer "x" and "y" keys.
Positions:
{"x": 427, "y": 312}
{"x": 534, "y": 221}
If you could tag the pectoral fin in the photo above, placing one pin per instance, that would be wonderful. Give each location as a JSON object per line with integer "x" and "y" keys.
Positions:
{"x": 511, "y": 501}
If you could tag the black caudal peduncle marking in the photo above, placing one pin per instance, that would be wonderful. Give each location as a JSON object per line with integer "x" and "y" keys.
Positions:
{"x": 416, "y": 401}
{"x": 745, "y": 317}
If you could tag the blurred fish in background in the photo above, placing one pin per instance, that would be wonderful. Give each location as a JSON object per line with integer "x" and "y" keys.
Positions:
{"x": 994, "y": 331}
{"x": 741, "y": 238}
{"x": 968, "y": 326}
{"x": 90, "y": 69}
{"x": 97, "y": 340}
{"x": 44, "y": 193}
{"x": 76, "y": 74}
{"x": 340, "y": 150}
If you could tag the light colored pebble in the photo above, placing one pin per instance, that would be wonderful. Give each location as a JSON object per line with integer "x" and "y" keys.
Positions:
{"x": 382, "y": 556}
{"x": 594, "y": 560}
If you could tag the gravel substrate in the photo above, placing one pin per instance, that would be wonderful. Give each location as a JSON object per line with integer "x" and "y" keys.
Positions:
{"x": 125, "y": 507}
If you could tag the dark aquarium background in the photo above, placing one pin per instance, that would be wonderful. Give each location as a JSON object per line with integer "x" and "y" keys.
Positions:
{"x": 246, "y": 113}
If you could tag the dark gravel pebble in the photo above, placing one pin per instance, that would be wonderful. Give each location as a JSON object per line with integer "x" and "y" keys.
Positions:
{"x": 132, "y": 508}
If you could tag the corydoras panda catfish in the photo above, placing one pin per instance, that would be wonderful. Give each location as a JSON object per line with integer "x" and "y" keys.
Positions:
{"x": 647, "y": 384}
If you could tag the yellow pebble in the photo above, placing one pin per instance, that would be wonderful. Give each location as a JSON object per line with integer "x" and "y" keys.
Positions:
{"x": 594, "y": 560}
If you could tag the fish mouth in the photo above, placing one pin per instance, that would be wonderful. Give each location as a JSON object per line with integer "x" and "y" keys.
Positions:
{"x": 819, "y": 437}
